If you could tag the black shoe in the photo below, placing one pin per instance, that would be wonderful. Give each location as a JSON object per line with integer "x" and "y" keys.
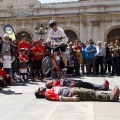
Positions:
{"x": 112, "y": 74}
{"x": 118, "y": 74}
{"x": 84, "y": 73}
{"x": 1, "y": 88}
{"x": 26, "y": 80}
{"x": 21, "y": 80}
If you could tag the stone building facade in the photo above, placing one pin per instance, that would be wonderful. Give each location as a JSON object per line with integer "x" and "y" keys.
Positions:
{"x": 84, "y": 19}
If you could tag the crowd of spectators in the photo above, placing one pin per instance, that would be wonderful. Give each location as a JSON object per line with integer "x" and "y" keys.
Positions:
{"x": 83, "y": 58}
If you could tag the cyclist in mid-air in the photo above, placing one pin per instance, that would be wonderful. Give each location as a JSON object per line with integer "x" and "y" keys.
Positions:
{"x": 58, "y": 38}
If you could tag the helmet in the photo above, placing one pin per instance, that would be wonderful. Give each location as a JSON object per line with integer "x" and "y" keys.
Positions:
{"x": 52, "y": 23}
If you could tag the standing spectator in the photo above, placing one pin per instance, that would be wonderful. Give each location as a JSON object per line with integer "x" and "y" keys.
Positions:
{"x": 77, "y": 47}
{"x": 11, "y": 47}
{"x": 23, "y": 65}
{"x": 5, "y": 45}
{"x": 84, "y": 54}
{"x": 24, "y": 44}
{"x": 13, "y": 55}
{"x": 115, "y": 50}
{"x": 70, "y": 59}
{"x": 7, "y": 60}
{"x": 37, "y": 61}
{"x": 91, "y": 50}
{"x": 100, "y": 54}
{"x": 107, "y": 62}
{"x": 15, "y": 64}
{"x": 1, "y": 42}
{"x": 42, "y": 47}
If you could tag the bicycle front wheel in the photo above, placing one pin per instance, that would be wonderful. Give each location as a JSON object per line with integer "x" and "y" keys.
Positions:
{"x": 46, "y": 65}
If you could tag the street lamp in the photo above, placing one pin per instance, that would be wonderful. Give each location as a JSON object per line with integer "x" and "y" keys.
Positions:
{"x": 41, "y": 30}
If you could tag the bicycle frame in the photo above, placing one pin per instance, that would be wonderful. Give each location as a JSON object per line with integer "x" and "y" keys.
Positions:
{"x": 55, "y": 63}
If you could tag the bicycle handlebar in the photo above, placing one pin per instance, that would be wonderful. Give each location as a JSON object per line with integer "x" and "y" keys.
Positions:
{"x": 54, "y": 46}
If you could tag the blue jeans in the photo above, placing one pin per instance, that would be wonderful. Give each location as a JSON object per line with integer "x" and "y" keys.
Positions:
{"x": 88, "y": 85}
{"x": 7, "y": 70}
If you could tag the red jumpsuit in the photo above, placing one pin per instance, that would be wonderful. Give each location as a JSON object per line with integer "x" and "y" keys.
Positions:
{"x": 5, "y": 79}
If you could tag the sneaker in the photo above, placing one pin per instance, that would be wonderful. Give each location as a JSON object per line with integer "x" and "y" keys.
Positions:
{"x": 65, "y": 69}
{"x": 21, "y": 80}
{"x": 106, "y": 85}
{"x": 116, "y": 93}
{"x": 1, "y": 88}
{"x": 26, "y": 80}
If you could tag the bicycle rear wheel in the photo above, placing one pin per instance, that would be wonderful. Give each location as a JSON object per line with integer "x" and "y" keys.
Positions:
{"x": 46, "y": 65}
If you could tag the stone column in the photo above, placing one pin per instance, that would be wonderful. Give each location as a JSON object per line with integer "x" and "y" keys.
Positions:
{"x": 102, "y": 32}
{"x": 82, "y": 33}
{"x": 90, "y": 31}
{"x": 96, "y": 31}
{"x": 96, "y": 34}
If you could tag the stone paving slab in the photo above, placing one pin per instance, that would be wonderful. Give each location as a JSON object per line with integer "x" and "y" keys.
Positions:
{"x": 18, "y": 102}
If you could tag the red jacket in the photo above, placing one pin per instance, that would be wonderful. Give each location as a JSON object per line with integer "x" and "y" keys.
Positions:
{"x": 37, "y": 50}
{"x": 42, "y": 47}
{"x": 23, "y": 58}
{"x": 56, "y": 93}
{"x": 56, "y": 83}
{"x": 51, "y": 95}
{"x": 65, "y": 82}
{"x": 3, "y": 74}
{"x": 25, "y": 45}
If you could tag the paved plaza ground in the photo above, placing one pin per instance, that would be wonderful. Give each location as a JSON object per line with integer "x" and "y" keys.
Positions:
{"x": 18, "y": 102}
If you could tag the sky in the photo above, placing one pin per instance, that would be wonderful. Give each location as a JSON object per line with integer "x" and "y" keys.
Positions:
{"x": 50, "y": 1}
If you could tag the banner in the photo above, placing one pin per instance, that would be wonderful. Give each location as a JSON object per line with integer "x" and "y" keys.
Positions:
{"x": 10, "y": 31}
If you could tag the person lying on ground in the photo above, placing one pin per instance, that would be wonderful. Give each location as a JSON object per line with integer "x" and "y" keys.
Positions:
{"x": 77, "y": 83}
{"x": 5, "y": 79}
{"x": 76, "y": 94}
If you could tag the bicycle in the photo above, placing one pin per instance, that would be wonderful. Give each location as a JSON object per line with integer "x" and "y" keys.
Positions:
{"x": 49, "y": 62}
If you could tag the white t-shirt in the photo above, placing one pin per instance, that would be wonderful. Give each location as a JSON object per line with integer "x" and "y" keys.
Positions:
{"x": 7, "y": 60}
{"x": 58, "y": 37}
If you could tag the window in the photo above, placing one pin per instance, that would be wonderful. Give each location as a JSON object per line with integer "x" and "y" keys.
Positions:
{"x": 18, "y": 36}
{"x": 71, "y": 34}
{"x": 114, "y": 33}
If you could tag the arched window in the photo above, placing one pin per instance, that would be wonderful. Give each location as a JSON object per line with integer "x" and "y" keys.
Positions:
{"x": 115, "y": 33}
{"x": 18, "y": 35}
{"x": 71, "y": 34}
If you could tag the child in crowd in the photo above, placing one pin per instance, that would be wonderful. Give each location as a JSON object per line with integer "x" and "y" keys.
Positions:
{"x": 7, "y": 60}
{"x": 37, "y": 61}
{"x": 23, "y": 59}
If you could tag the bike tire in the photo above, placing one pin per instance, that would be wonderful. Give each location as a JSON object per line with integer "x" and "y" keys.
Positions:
{"x": 46, "y": 65}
